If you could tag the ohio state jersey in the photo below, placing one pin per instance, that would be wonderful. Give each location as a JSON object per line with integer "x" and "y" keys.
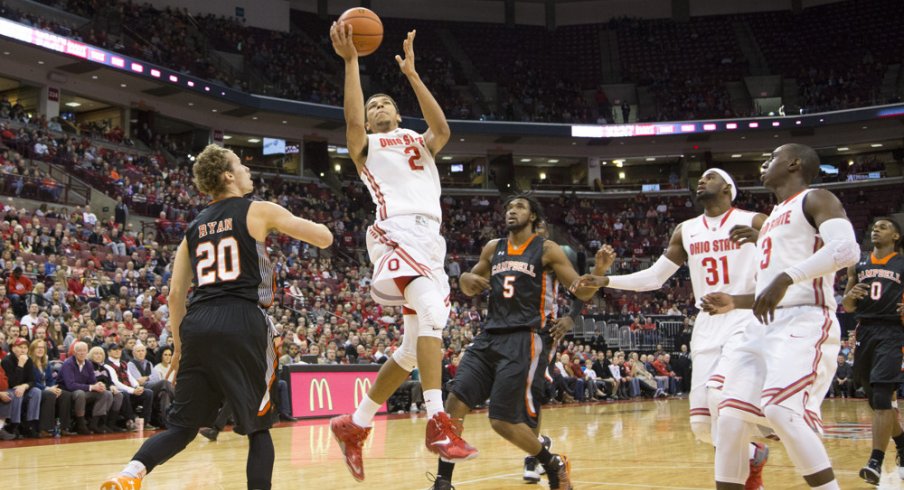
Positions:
{"x": 717, "y": 264}
{"x": 787, "y": 239}
{"x": 401, "y": 175}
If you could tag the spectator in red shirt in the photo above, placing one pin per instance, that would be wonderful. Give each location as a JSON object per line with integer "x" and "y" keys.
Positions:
{"x": 663, "y": 368}
{"x": 17, "y": 286}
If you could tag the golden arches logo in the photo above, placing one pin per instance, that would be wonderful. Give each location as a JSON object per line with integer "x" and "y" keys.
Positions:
{"x": 320, "y": 385}
{"x": 362, "y": 386}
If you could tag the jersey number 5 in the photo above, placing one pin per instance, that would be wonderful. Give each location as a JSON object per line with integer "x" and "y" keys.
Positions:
{"x": 508, "y": 289}
{"x": 415, "y": 156}
{"x": 712, "y": 270}
{"x": 218, "y": 263}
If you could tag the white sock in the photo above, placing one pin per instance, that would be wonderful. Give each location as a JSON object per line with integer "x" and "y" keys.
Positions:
{"x": 832, "y": 485}
{"x": 364, "y": 415}
{"x": 135, "y": 469}
{"x": 434, "y": 402}
{"x": 752, "y": 451}
{"x": 2, "y": 423}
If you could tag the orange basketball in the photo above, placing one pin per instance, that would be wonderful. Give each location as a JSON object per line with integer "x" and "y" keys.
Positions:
{"x": 367, "y": 29}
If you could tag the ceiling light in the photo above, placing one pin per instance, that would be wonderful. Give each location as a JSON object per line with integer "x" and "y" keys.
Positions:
{"x": 876, "y": 145}
{"x": 73, "y": 104}
{"x": 284, "y": 122}
{"x": 766, "y": 155}
{"x": 542, "y": 175}
{"x": 227, "y": 137}
{"x": 122, "y": 85}
{"x": 213, "y": 110}
{"x": 621, "y": 176}
{"x": 605, "y": 162}
{"x": 190, "y": 104}
{"x": 331, "y": 149}
{"x": 736, "y": 155}
{"x": 6, "y": 53}
{"x": 525, "y": 160}
{"x": 618, "y": 163}
{"x": 553, "y": 160}
{"x": 93, "y": 77}
{"x": 254, "y": 140}
{"x": 462, "y": 140}
{"x": 651, "y": 159}
{"x": 850, "y": 163}
{"x": 843, "y": 148}
{"x": 447, "y": 158}
{"x": 337, "y": 167}
{"x": 40, "y": 62}
{"x": 254, "y": 118}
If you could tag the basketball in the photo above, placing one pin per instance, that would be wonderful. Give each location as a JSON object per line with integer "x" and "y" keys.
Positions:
{"x": 367, "y": 29}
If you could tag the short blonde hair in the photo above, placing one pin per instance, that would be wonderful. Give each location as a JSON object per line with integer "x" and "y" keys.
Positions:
{"x": 209, "y": 168}
{"x": 95, "y": 349}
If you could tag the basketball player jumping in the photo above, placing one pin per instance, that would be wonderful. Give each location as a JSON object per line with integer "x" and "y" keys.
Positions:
{"x": 786, "y": 361}
{"x": 718, "y": 247}
{"x": 405, "y": 246}
{"x": 502, "y": 362}
{"x": 873, "y": 290}
{"x": 223, "y": 339}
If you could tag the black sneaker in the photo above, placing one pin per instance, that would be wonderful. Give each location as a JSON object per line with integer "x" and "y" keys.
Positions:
{"x": 6, "y": 436}
{"x": 872, "y": 472}
{"x": 531, "y": 467}
{"x": 547, "y": 443}
{"x": 210, "y": 433}
{"x": 439, "y": 484}
{"x": 559, "y": 473}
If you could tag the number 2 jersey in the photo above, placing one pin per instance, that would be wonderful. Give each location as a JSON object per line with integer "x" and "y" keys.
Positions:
{"x": 401, "y": 175}
{"x": 883, "y": 276}
{"x": 225, "y": 259}
{"x": 716, "y": 263}
{"x": 522, "y": 294}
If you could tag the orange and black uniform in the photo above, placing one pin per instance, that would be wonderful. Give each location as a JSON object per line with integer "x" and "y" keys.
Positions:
{"x": 878, "y": 357}
{"x": 227, "y": 347}
{"x": 503, "y": 360}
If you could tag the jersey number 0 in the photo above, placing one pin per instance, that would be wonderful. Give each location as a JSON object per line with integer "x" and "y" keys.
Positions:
{"x": 218, "y": 263}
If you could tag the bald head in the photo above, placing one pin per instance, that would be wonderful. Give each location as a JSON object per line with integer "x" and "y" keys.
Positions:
{"x": 809, "y": 159}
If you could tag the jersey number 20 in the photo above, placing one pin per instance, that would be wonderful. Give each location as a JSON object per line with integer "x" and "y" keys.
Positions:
{"x": 218, "y": 263}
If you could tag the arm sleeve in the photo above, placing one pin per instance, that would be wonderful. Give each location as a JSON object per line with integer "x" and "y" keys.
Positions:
{"x": 648, "y": 279}
{"x": 840, "y": 251}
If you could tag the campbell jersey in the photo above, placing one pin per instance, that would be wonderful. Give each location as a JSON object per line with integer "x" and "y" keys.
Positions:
{"x": 787, "y": 239}
{"x": 226, "y": 260}
{"x": 522, "y": 295}
{"x": 716, "y": 263}
{"x": 883, "y": 276}
{"x": 401, "y": 175}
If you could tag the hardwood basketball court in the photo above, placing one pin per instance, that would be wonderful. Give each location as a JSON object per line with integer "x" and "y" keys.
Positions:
{"x": 626, "y": 445}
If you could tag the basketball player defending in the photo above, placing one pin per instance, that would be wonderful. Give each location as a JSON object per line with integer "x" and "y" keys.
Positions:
{"x": 223, "y": 340}
{"x": 405, "y": 246}
{"x": 718, "y": 247}
{"x": 502, "y": 362}
{"x": 785, "y": 363}
{"x": 873, "y": 290}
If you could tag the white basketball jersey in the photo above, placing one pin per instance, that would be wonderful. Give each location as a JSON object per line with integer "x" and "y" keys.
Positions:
{"x": 401, "y": 175}
{"x": 788, "y": 239}
{"x": 716, "y": 263}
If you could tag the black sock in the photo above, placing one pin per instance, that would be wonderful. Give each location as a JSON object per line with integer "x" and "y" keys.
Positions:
{"x": 878, "y": 455}
{"x": 444, "y": 471}
{"x": 899, "y": 440}
{"x": 259, "y": 469}
{"x": 544, "y": 456}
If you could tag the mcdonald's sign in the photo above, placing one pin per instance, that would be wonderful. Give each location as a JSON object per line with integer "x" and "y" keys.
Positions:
{"x": 362, "y": 386}
{"x": 321, "y": 385}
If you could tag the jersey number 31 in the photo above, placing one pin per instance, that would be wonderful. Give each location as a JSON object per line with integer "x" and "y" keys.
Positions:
{"x": 217, "y": 263}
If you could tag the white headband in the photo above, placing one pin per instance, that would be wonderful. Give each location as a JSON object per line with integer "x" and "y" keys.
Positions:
{"x": 727, "y": 178}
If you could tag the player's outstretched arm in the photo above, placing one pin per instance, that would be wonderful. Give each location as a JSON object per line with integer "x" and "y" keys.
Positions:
{"x": 355, "y": 129}
{"x": 180, "y": 282}
{"x": 265, "y": 216}
{"x": 438, "y": 131}
{"x": 478, "y": 279}
{"x": 656, "y": 275}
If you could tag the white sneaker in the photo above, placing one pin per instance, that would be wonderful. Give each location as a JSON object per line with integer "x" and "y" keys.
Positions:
{"x": 531, "y": 465}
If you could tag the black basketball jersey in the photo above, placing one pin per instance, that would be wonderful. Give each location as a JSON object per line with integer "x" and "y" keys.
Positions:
{"x": 522, "y": 295}
{"x": 225, "y": 259}
{"x": 880, "y": 305}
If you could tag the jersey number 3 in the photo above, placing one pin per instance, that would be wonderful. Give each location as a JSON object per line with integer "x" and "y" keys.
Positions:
{"x": 218, "y": 263}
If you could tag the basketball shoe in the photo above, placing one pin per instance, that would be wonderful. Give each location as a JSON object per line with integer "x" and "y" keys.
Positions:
{"x": 872, "y": 472}
{"x": 350, "y": 438}
{"x": 532, "y": 468}
{"x": 443, "y": 439}
{"x": 121, "y": 482}
{"x": 439, "y": 484}
{"x": 755, "y": 478}
{"x": 559, "y": 473}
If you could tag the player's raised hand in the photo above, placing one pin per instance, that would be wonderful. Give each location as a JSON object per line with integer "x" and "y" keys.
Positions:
{"x": 406, "y": 64}
{"x": 605, "y": 257}
{"x": 741, "y": 234}
{"x": 767, "y": 301}
{"x": 560, "y": 328}
{"x": 858, "y": 292}
{"x": 717, "y": 303}
{"x": 589, "y": 281}
{"x": 473, "y": 284}
{"x": 341, "y": 36}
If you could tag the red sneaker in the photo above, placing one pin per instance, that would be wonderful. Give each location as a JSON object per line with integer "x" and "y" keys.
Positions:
{"x": 350, "y": 438}
{"x": 755, "y": 480}
{"x": 443, "y": 438}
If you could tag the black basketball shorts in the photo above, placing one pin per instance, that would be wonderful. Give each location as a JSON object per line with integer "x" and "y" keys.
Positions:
{"x": 878, "y": 356}
{"x": 501, "y": 367}
{"x": 227, "y": 355}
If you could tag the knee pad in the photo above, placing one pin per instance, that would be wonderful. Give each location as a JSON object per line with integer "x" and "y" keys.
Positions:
{"x": 702, "y": 430}
{"x": 406, "y": 355}
{"x": 880, "y": 398}
{"x": 432, "y": 315}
